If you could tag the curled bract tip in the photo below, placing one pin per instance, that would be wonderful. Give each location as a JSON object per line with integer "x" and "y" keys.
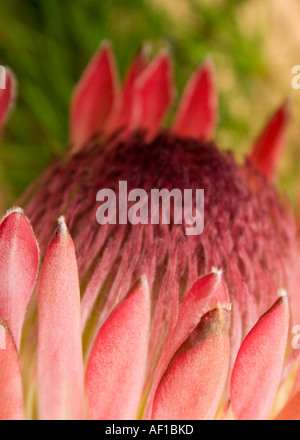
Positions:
{"x": 144, "y": 282}
{"x": 3, "y": 329}
{"x": 218, "y": 272}
{"x": 62, "y": 227}
{"x": 14, "y": 209}
{"x": 282, "y": 293}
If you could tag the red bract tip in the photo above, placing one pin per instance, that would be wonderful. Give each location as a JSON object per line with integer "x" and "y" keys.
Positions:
{"x": 11, "y": 402}
{"x": 93, "y": 98}
{"x": 123, "y": 111}
{"x": 18, "y": 269}
{"x": 269, "y": 145}
{"x": 258, "y": 367}
{"x": 153, "y": 95}
{"x": 60, "y": 365}
{"x": 116, "y": 367}
{"x": 193, "y": 384}
{"x": 7, "y": 96}
{"x": 197, "y": 114}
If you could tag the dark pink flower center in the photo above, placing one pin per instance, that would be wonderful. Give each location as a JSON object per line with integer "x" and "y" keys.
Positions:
{"x": 248, "y": 232}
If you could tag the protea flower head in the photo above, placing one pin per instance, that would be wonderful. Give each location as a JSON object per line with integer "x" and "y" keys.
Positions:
{"x": 129, "y": 321}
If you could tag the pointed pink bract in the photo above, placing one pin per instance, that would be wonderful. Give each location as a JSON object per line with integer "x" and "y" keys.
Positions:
{"x": 206, "y": 293}
{"x": 116, "y": 367}
{"x": 197, "y": 114}
{"x": 93, "y": 98}
{"x": 123, "y": 112}
{"x": 258, "y": 367}
{"x": 11, "y": 401}
{"x": 153, "y": 95}
{"x": 18, "y": 269}
{"x": 60, "y": 364}
{"x": 192, "y": 386}
{"x": 269, "y": 145}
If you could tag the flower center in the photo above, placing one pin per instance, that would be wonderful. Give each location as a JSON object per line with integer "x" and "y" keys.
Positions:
{"x": 248, "y": 232}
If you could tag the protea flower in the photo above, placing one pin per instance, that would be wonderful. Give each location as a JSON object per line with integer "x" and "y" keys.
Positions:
{"x": 144, "y": 321}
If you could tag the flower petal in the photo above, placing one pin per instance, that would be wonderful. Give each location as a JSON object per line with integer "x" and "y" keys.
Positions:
{"x": 7, "y": 96}
{"x": 208, "y": 292}
{"x": 116, "y": 367}
{"x": 292, "y": 409}
{"x": 268, "y": 147}
{"x": 205, "y": 295}
{"x": 11, "y": 402}
{"x": 60, "y": 365}
{"x": 153, "y": 96}
{"x": 122, "y": 114}
{"x": 18, "y": 269}
{"x": 257, "y": 370}
{"x": 192, "y": 386}
{"x": 93, "y": 98}
{"x": 197, "y": 114}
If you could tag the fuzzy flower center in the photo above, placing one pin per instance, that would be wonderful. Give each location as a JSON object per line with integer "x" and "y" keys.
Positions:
{"x": 248, "y": 232}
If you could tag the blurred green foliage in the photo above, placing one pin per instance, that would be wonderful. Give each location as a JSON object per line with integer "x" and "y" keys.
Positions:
{"x": 48, "y": 43}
